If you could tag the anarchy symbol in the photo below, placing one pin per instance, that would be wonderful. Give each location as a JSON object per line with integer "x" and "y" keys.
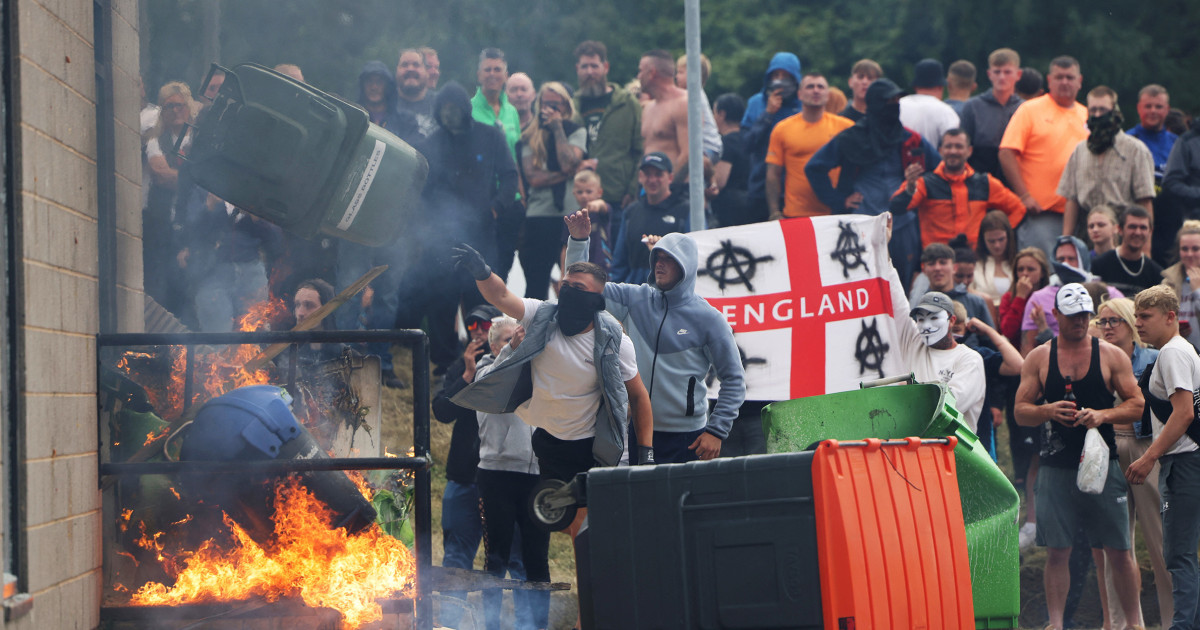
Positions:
{"x": 870, "y": 349}
{"x": 735, "y": 266}
{"x": 849, "y": 251}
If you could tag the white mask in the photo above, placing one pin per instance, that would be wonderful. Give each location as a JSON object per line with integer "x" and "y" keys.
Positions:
{"x": 933, "y": 327}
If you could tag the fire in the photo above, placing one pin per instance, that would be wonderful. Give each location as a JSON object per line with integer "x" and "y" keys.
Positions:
{"x": 322, "y": 566}
{"x": 215, "y": 373}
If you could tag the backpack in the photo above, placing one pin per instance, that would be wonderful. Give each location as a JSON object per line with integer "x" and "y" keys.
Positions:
{"x": 1162, "y": 408}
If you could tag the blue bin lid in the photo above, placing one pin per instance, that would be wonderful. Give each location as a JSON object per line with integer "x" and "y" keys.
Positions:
{"x": 256, "y": 416}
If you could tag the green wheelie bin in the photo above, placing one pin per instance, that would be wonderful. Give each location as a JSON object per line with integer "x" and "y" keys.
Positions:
{"x": 990, "y": 503}
{"x": 304, "y": 159}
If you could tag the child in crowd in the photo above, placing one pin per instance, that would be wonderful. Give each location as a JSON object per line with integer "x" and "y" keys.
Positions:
{"x": 588, "y": 191}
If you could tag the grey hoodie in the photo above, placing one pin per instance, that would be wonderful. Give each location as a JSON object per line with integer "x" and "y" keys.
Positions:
{"x": 677, "y": 336}
{"x": 505, "y": 442}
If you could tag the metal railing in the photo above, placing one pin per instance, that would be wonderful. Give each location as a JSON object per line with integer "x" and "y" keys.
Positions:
{"x": 419, "y": 463}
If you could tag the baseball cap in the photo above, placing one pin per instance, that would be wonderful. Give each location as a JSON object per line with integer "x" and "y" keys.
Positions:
{"x": 929, "y": 73}
{"x": 658, "y": 160}
{"x": 1073, "y": 299}
{"x": 932, "y": 302}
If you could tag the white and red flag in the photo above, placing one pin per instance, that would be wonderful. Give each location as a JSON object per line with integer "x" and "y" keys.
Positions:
{"x": 808, "y": 299}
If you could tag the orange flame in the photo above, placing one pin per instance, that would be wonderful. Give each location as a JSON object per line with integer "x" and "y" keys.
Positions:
{"x": 324, "y": 567}
{"x": 215, "y": 373}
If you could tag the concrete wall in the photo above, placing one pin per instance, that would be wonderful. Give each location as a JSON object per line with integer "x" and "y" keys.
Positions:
{"x": 56, "y": 201}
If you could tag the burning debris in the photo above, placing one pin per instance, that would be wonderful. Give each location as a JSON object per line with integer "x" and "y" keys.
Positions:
{"x": 326, "y": 538}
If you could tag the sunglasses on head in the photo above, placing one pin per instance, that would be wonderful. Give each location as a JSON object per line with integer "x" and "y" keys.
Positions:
{"x": 476, "y": 324}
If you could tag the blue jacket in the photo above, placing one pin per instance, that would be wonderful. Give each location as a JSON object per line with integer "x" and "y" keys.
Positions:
{"x": 876, "y": 182}
{"x": 757, "y": 125}
{"x": 678, "y": 336}
{"x": 510, "y": 381}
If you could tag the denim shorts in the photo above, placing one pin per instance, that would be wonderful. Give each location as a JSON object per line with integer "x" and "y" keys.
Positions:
{"x": 1062, "y": 508}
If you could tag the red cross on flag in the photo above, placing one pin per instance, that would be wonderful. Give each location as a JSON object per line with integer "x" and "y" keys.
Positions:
{"x": 808, "y": 299}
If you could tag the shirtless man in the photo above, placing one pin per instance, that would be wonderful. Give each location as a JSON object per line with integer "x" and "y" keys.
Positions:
{"x": 664, "y": 119}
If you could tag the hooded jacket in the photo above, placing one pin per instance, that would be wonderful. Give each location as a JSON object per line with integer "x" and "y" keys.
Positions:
{"x": 617, "y": 147}
{"x": 757, "y": 124}
{"x": 402, "y": 124}
{"x": 470, "y": 175}
{"x": 678, "y": 336}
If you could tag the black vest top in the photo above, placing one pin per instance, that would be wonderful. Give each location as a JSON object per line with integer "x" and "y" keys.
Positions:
{"x": 1062, "y": 445}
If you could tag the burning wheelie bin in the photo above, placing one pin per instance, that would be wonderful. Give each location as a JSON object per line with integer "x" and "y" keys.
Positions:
{"x": 990, "y": 504}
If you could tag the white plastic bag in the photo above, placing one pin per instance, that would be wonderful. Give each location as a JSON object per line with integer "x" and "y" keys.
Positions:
{"x": 1093, "y": 464}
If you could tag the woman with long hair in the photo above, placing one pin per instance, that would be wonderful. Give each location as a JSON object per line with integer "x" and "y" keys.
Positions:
{"x": 1031, "y": 269}
{"x": 550, "y": 152}
{"x": 1184, "y": 278}
{"x": 160, "y": 225}
{"x": 996, "y": 249}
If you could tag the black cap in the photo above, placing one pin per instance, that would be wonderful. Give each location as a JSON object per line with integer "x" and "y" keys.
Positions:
{"x": 483, "y": 312}
{"x": 929, "y": 73}
{"x": 658, "y": 160}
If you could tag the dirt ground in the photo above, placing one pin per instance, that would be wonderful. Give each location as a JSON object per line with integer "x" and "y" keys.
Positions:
{"x": 397, "y": 431}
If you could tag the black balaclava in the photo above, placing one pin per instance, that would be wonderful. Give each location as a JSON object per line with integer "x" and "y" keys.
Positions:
{"x": 456, "y": 120}
{"x": 1104, "y": 131}
{"x": 880, "y": 130}
{"x": 576, "y": 309}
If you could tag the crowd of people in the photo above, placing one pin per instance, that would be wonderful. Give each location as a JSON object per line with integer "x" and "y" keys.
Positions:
{"x": 1021, "y": 221}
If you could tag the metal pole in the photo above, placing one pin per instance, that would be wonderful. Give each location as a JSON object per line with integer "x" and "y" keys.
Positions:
{"x": 691, "y": 10}
{"x": 423, "y": 506}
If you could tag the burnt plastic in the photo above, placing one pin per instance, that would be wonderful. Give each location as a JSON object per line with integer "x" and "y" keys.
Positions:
{"x": 727, "y": 543}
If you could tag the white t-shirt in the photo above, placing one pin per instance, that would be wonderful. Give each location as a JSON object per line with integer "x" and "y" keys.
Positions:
{"x": 928, "y": 116}
{"x": 960, "y": 368}
{"x": 566, "y": 387}
{"x": 154, "y": 150}
{"x": 1177, "y": 368}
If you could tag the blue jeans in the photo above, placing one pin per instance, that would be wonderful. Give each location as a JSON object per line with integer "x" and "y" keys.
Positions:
{"x": 354, "y": 261}
{"x": 462, "y": 531}
{"x": 1179, "y": 484}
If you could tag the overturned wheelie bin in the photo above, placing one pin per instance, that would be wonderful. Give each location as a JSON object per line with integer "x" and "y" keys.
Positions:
{"x": 304, "y": 159}
{"x": 990, "y": 504}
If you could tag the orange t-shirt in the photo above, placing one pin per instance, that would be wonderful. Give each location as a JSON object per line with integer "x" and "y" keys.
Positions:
{"x": 793, "y": 141}
{"x": 1045, "y": 135}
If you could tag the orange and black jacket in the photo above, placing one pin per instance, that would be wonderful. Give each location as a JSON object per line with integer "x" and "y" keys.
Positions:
{"x": 949, "y": 205}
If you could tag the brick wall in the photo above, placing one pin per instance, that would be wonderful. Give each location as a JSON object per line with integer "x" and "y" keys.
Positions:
{"x": 56, "y": 200}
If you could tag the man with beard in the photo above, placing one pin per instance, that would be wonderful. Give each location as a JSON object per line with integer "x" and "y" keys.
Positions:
{"x": 1035, "y": 148}
{"x": 377, "y": 94}
{"x": 952, "y": 198}
{"x": 1091, "y": 371}
{"x": 613, "y": 119}
{"x": 873, "y": 156}
{"x": 472, "y": 182}
{"x": 778, "y": 100}
{"x": 1110, "y": 167}
{"x": 1127, "y": 267}
{"x": 793, "y": 143}
{"x": 415, "y": 96}
{"x": 490, "y": 104}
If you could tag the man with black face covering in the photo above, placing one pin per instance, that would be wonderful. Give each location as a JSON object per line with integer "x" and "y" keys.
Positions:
{"x": 873, "y": 156}
{"x": 573, "y": 375}
{"x": 1110, "y": 167}
{"x": 472, "y": 181}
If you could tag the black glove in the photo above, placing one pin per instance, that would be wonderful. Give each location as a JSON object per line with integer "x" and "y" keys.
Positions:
{"x": 466, "y": 258}
{"x": 645, "y": 455}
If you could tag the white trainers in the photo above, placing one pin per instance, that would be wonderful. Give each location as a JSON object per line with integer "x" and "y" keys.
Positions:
{"x": 1026, "y": 536}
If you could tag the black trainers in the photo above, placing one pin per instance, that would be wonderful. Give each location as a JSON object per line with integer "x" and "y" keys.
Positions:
{"x": 391, "y": 380}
